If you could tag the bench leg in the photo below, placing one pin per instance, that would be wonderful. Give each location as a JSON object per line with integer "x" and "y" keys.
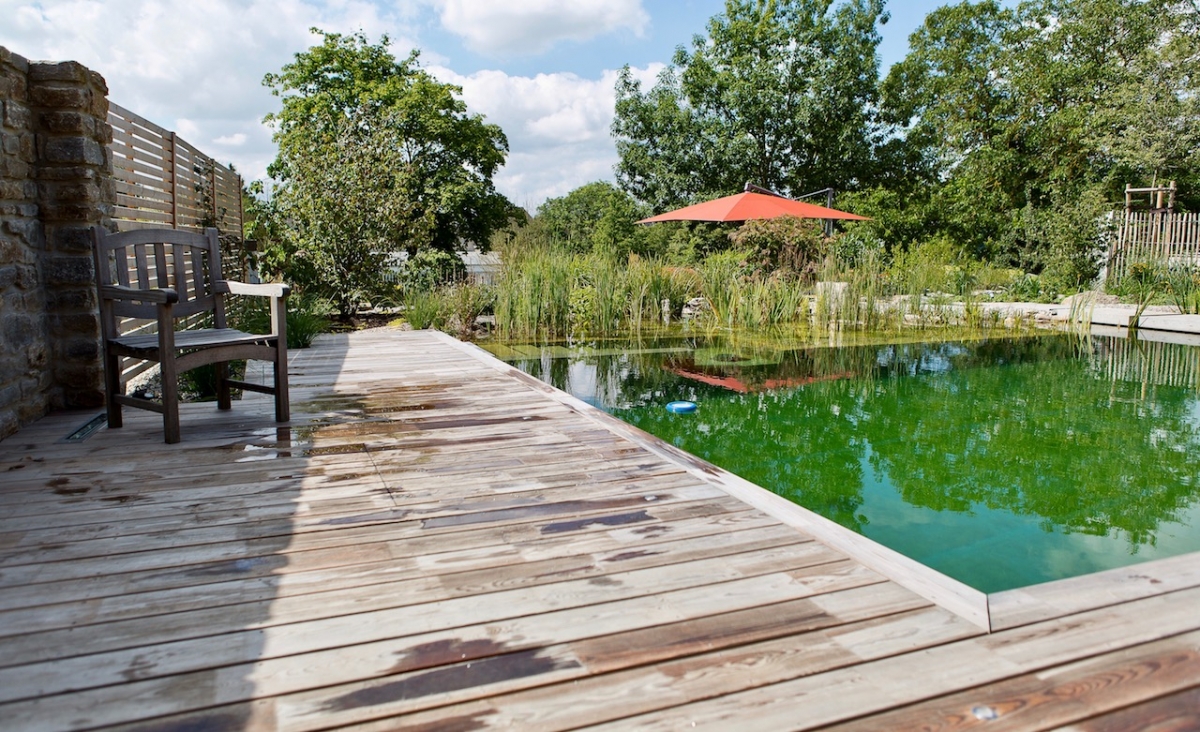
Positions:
{"x": 170, "y": 401}
{"x": 224, "y": 400}
{"x": 112, "y": 387}
{"x": 282, "y": 406}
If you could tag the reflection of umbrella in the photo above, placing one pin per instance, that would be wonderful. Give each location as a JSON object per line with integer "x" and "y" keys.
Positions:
{"x": 745, "y": 206}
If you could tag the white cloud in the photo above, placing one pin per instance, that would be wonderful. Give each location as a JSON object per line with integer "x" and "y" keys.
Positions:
{"x": 197, "y": 68}
{"x": 531, "y": 27}
{"x": 557, "y": 127}
{"x": 194, "y": 67}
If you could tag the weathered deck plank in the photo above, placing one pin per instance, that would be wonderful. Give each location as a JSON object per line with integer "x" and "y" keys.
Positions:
{"x": 433, "y": 542}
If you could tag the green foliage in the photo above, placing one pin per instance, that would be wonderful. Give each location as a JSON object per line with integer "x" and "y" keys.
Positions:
{"x": 1183, "y": 287}
{"x": 787, "y": 243}
{"x": 431, "y": 268}
{"x": 1144, "y": 282}
{"x": 928, "y": 267}
{"x": 533, "y": 294}
{"x": 1035, "y": 117}
{"x": 596, "y": 217}
{"x": 305, "y": 320}
{"x": 375, "y": 155}
{"x": 780, "y": 94}
{"x": 721, "y": 278}
{"x": 1068, "y": 238}
{"x": 425, "y": 309}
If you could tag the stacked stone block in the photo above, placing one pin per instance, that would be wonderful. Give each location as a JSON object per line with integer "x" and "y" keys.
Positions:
{"x": 55, "y": 183}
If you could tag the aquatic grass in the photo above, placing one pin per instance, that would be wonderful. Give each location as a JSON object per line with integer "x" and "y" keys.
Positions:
{"x": 465, "y": 302}
{"x": 424, "y": 308}
{"x": 533, "y": 294}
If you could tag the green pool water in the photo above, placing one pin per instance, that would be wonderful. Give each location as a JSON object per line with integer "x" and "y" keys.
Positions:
{"x": 1001, "y": 462}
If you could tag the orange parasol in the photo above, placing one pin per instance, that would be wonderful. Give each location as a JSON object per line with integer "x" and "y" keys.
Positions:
{"x": 745, "y": 206}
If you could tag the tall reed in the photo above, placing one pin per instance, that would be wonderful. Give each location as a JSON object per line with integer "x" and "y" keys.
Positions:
{"x": 533, "y": 294}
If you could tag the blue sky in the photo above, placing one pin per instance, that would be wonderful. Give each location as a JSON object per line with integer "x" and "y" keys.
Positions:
{"x": 541, "y": 69}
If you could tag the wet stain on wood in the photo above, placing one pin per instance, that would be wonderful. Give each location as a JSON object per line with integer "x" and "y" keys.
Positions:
{"x": 620, "y": 519}
{"x": 364, "y": 518}
{"x": 542, "y": 509}
{"x": 445, "y": 652}
{"x": 72, "y": 491}
{"x": 449, "y": 424}
{"x": 652, "y": 531}
{"x": 124, "y": 498}
{"x": 626, "y": 556}
{"x": 139, "y": 668}
{"x": 520, "y": 665}
{"x": 235, "y": 567}
{"x": 337, "y": 449}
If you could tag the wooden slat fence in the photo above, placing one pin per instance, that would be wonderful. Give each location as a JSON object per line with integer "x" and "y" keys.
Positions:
{"x": 164, "y": 181}
{"x": 1154, "y": 237}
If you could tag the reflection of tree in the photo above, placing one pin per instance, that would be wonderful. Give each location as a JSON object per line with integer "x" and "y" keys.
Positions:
{"x": 1042, "y": 439}
{"x": 801, "y": 449}
{"x": 1034, "y": 434}
{"x": 1018, "y": 425}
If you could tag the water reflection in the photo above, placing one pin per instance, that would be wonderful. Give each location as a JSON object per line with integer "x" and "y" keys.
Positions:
{"x": 1002, "y": 462}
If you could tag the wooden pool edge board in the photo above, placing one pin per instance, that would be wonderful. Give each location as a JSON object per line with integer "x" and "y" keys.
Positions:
{"x": 989, "y": 611}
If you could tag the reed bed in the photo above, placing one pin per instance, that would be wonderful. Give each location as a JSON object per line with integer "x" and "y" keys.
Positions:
{"x": 550, "y": 293}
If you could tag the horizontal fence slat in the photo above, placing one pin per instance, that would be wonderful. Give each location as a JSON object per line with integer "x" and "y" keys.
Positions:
{"x": 143, "y": 203}
{"x": 141, "y": 214}
{"x": 144, "y": 191}
{"x": 170, "y": 175}
{"x": 129, "y": 170}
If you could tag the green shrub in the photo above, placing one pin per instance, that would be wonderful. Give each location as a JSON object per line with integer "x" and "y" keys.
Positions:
{"x": 431, "y": 268}
{"x": 465, "y": 302}
{"x": 927, "y": 267}
{"x": 1183, "y": 287}
{"x": 785, "y": 243}
{"x": 305, "y": 320}
{"x": 424, "y": 309}
{"x": 200, "y": 383}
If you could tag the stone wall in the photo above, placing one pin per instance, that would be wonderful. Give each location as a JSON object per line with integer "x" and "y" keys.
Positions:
{"x": 55, "y": 183}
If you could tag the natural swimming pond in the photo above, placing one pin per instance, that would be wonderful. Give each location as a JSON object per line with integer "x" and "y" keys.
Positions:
{"x": 1001, "y": 462}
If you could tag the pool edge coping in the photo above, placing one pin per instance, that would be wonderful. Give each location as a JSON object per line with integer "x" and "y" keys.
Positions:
{"x": 989, "y": 611}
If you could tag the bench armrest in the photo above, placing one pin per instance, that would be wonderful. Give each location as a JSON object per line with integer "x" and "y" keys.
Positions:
{"x": 118, "y": 292}
{"x": 268, "y": 289}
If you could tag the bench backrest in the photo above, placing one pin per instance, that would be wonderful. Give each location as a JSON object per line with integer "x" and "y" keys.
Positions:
{"x": 153, "y": 259}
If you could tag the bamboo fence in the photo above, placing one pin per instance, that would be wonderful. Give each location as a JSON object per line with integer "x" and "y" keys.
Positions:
{"x": 1155, "y": 237}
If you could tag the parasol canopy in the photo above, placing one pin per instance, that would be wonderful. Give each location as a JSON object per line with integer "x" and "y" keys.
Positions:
{"x": 750, "y": 205}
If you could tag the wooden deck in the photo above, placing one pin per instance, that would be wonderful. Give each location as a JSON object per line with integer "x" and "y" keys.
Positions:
{"x": 435, "y": 543}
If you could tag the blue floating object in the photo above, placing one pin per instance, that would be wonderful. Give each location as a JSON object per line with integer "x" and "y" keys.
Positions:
{"x": 681, "y": 407}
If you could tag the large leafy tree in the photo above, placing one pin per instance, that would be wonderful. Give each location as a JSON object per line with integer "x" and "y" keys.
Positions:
{"x": 594, "y": 217}
{"x": 781, "y": 93}
{"x": 375, "y": 156}
{"x": 1036, "y": 118}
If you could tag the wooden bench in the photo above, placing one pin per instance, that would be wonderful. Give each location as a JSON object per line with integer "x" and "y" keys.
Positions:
{"x": 165, "y": 275}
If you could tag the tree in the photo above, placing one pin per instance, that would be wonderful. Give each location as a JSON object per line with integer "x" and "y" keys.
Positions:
{"x": 1037, "y": 116}
{"x": 780, "y": 93}
{"x": 594, "y": 217}
{"x": 375, "y": 155}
